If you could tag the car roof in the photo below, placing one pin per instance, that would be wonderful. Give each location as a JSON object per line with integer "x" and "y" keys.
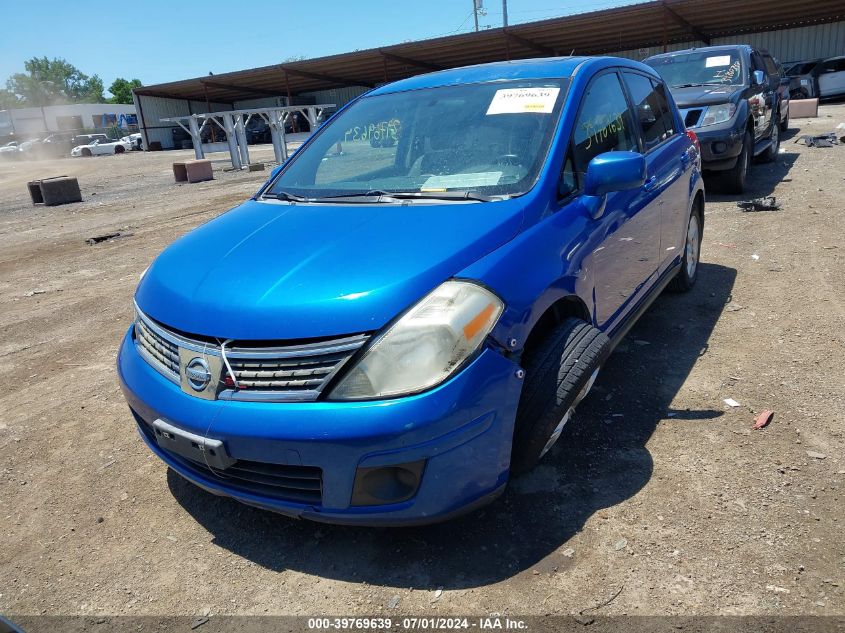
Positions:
{"x": 539, "y": 68}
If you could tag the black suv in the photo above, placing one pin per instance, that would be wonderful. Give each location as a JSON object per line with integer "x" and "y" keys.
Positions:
{"x": 730, "y": 97}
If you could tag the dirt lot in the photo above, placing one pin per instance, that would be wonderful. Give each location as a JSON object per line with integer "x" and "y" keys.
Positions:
{"x": 659, "y": 495}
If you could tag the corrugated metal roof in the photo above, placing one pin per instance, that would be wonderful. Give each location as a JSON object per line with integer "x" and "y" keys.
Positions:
{"x": 654, "y": 23}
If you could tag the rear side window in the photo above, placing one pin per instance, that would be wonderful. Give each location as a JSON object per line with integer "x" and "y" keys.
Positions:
{"x": 604, "y": 123}
{"x": 667, "y": 117}
{"x": 833, "y": 66}
{"x": 652, "y": 108}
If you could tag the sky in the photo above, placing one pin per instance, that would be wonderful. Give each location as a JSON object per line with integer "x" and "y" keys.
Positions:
{"x": 158, "y": 41}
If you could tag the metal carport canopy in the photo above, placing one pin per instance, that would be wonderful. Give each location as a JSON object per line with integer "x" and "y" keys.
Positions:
{"x": 655, "y": 23}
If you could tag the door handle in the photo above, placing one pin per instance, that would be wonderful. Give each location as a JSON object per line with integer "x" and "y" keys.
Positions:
{"x": 650, "y": 184}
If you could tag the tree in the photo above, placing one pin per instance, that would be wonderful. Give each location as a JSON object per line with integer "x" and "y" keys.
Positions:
{"x": 121, "y": 90}
{"x": 7, "y": 100}
{"x": 52, "y": 81}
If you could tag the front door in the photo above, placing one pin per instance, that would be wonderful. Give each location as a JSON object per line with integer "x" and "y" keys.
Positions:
{"x": 625, "y": 260}
{"x": 669, "y": 163}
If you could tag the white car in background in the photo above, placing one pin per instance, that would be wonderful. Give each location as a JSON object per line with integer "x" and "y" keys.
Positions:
{"x": 99, "y": 148}
{"x": 135, "y": 140}
{"x": 10, "y": 150}
{"x": 830, "y": 75}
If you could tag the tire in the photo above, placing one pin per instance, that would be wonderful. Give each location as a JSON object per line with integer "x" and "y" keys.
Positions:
{"x": 733, "y": 180}
{"x": 771, "y": 154}
{"x": 86, "y": 152}
{"x": 119, "y": 149}
{"x": 558, "y": 374}
{"x": 784, "y": 125}
{"x": 685, "y": 279}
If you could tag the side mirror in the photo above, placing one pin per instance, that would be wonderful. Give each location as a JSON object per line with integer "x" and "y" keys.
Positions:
{"x": 759, "y": 77}
{"x": 614, "y": 171}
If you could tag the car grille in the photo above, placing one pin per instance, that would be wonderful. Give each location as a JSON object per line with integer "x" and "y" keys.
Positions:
{"x": 300, "y": 484}
{"x": 271, "y": 372}
{"x": 164, "y": 353}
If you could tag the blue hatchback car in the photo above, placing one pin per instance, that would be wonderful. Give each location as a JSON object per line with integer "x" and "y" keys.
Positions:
{"x": 411, "y": 308}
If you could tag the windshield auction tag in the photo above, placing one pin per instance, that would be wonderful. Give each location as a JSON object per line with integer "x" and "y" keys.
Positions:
{"x": 462, "y": 181}
{"x": 721, "y": 60}
{"x": 523, "y": 101}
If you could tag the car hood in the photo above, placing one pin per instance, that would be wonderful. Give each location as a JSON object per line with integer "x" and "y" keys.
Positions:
{"x": 705, "y": 95}
{"x": 276, "y": 271}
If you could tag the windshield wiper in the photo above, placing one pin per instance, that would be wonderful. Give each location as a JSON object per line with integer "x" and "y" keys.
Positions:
{"x": 284, "y": 195}
{"x": 379, "y": 195}
{"x": 698, "y": 85}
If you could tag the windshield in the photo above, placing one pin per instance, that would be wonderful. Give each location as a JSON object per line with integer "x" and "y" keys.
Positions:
{"x": 700, "y": 68}
{"x": 489, "y": 139}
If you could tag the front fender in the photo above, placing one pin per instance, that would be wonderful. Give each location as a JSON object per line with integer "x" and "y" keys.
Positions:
{"x": 543, "y": 264}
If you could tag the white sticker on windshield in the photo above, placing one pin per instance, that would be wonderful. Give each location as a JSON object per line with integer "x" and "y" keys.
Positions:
{"x": 464, "y": 181}
{"x": 523, "y": 100}
{"x": 721, "y": 60}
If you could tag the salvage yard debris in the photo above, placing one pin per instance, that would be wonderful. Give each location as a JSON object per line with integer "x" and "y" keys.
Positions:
{"x": 763, "y": 418}
{"x": 108, "y": 237}
{"x": 818, "y": 140}
{"x": 768, "y": 203}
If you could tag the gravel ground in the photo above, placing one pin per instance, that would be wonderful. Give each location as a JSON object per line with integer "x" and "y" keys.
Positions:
{"x": 660, "y": 499}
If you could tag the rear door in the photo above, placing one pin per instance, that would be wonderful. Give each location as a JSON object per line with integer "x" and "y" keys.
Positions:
{"x": 627, "y": 234}
{"x": 669, "y": 162}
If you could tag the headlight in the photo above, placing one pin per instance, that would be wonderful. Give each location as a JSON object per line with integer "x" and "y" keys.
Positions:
{"x": 718, "y": 114}
{"x": 426, "y": 345}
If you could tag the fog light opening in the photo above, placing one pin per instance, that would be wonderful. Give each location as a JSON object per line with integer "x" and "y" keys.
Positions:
{"x": 719, "y": 147}
{"x": 387, "y": 484}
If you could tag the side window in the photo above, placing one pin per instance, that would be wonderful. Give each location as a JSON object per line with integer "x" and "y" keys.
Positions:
{"x": 652, "y": 107}
{"x": 604, "y": 123}
{"x": 668, "y": 118}
{"x": 833, "y": 66}
{"x": 568, "y": 180}
{"x": 648, "y": 108}
{"x": 771, "y": 67}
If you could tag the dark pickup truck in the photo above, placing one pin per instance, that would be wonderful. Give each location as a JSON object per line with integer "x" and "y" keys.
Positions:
{"x": 731, "y": 97}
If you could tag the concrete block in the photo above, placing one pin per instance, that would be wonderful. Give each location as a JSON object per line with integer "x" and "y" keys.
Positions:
{"x": 192, "y": 171}
{"x": 255, "y": 167}
{"x": 180, "y": 173}
{"x": 803, "y": 108}
{"x": 199, "y": 170}
{"x": 53, "y": 191}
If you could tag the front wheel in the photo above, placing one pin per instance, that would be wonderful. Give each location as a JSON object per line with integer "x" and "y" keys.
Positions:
{"x": 685, "y": 279}
{"x": 559, "y": 373}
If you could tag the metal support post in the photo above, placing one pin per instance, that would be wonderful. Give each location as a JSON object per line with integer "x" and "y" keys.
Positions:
{"x": 229, "y": 126}
{"x": 196, "y": 137}
{"x": 277, "y": 128}
{"x": 241, "y": 133}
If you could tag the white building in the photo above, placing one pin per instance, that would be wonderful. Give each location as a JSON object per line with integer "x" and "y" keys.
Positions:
{"x": 40, "y": 121}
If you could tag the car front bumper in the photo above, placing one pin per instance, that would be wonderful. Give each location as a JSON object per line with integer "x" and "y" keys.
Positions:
{"x": 720, "y": 146}
{"x": 461, "y": 429}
